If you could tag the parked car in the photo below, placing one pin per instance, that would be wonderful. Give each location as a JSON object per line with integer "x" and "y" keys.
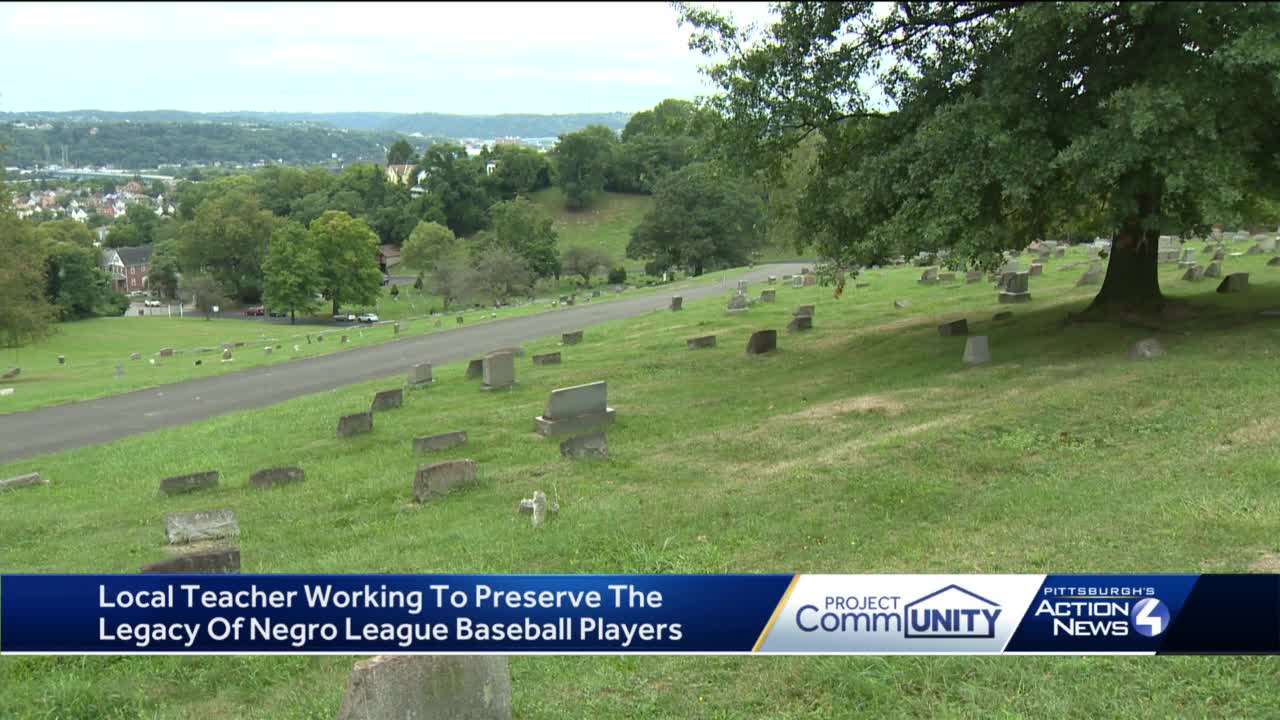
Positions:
{"x": 278, "y": 313}
{"x": 367, "y": 317}
{"x": 255, "y": 311}
{"x": 344, "y": 317}
{"x": 151, "y": 303}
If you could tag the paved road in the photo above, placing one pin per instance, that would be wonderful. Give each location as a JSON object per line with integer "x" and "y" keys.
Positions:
{"x": 96, "y": 421}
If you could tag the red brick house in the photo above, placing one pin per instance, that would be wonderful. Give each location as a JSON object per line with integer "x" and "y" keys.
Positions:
{"x": 388, "y": 257}
{"x": 128, "y": 267}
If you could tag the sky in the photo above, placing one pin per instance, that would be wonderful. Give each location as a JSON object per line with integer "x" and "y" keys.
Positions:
{"x": 464, "y": 58}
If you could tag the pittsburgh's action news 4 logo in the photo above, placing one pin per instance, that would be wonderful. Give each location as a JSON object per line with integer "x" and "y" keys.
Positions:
{"x": 1106, "y": 612}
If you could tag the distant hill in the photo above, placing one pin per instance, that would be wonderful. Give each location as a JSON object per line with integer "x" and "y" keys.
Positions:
{"x": 430, "y": 124}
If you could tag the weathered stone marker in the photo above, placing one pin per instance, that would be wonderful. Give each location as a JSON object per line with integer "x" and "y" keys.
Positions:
{"x": 166, "y": 352}
{"x": 207, "y": 562}
{"x": 803, "y": 311}
{"x": 420, "y": 375}
{"x": 738, "y": 303}
{"x": 356, "y": 424}
{"x": 1146, "y": 349}
{"x": 499, "y": 371}
{"x": 1195, "y": 273}
{"x": 342, "y": 340}
{"x": 428, "y": 687}
{"x": 594, "y": 444}
{"x": 436, "y": 481}
{"x": 1015, "y": 288}
{"x": 705, "y": 341}
{"x": 929, "y": 276}
{"x": 947, "y": 277}
{"x": 762, "y": 341}
{"x": 475, "y": 369}
{"x": 387, "y": 400}
{"x": 575, "y": 408}
{"x": 178, "y": 484}
{"x": 1214, "y": 270}
{"x": 800, "y": 323}
{"x": 442, "y": 441}
{"x": 953, "y": 328}
{"x": 901, "y": 304}
{"x": 1274, "y": 262}
{"x": 1092, "y": 276}
{"x": 62, "y": 360}
{"x": 277, "y": 476}
{"x": 27, "y": 480}
{"x": 571, "y": 338}
{"x": 552, "y": 358}
{"x": 188, "y": 527}
{"x": 135, "y": 356}
{"x": 1233, "y": 283}
{"x": 768, "y": 296}
{"x": 976, "y": 350}
{"x": 973, "y": 276}
{"x": 226, "y": 355}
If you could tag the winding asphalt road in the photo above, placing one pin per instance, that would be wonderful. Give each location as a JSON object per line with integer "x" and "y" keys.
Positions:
{"x": 90, "y": 422}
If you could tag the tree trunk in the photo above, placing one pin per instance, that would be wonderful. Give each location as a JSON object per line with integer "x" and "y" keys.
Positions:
{"x": 292, "y": 320}
{"x": 1132, "y": 284}
{"x": 335, "y": 304}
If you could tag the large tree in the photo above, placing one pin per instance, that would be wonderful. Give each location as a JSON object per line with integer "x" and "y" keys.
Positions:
{"x": 291, "y": 271}
{"x": 526, "y": 229}
{"x": 583, "y": 161}
{"x": 427, "y": 244}
{"x": 981, "y": 126}
{"x": 454, "y": 179}
{"x": 348, "y": 252}
{"x": 584, "y": 261}
{"x": 227, "y": 240}
{"x": 24, "y": 311}
{"x": 502, "y": 274}
{"x": 400, "y": 153}
{"x": 702, "y": 218}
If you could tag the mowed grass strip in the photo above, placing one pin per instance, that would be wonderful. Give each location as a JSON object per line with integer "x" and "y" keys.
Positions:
{"x": 862, "y": 446}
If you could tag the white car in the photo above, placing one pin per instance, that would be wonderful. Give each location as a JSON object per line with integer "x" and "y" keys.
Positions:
{"x": 151, "y": 303}
{"x": 368, "y": 317}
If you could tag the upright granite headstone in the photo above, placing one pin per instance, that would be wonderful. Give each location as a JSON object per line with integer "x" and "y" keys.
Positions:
{"x": 436, "y": 481}
{"x": 420, "y": 375}
{"x": 1092, "y": 276}
{"x": 1036, "y": 269}
{"x": 200, "y": 526}
{"x": 571, "y": 338}
{"x": 277, "y": 476}
{"x": 206, "y": 562}
{"x": 387, "y": 400}
{"x": 929, "y": 276}
{"x": 499, "y": 371}
{"x": 1015, "y": 288}
{"x": 800, "y": 323}
{"x": 803, "y": 311}
{"x": 955, "y": 327}
{"x": 442, "y": 441}
{"x": 1214, "y": 270}
{"x": 768, "y": 296}
{"x": 356, "y": 424}
{"x": 575, "y": 408}
{"x": 1233, "y": 283}
{"x": 178, "y": 484}
{"x": 475, "y": 369}
{"x": 737, "y": 304}
{"x": 1194, "y": 273}
{"x": 762, "y": 341}
{"x": 428, "y": 687}
{"x": 677, "y": 302}
{"x": 976, "y": 350}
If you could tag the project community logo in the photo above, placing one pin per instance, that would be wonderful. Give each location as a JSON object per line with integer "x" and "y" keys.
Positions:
{"x": 949, "y": 612}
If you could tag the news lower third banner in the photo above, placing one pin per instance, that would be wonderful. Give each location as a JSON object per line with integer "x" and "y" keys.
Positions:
{"x": 639, "y": 614}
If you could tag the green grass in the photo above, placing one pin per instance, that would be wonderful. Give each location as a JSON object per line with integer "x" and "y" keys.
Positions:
{"x": 606, "y": 224}
{"x": 863, "y": 446}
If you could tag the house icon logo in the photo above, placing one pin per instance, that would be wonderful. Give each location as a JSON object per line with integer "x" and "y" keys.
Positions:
{"x": 951, "y": 612}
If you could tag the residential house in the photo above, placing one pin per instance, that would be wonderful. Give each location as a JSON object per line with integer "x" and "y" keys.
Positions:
{"x": 128, "y": 267}
{"x": 388, "y": 257}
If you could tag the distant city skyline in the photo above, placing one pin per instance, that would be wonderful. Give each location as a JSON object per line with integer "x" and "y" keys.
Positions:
{"x": 452, "y": 58}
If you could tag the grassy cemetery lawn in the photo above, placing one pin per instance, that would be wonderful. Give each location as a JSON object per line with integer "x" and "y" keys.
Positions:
{"x": 93, "y": 348}
{"x": 864, "y": 445}
{"x": 607, "y": 224}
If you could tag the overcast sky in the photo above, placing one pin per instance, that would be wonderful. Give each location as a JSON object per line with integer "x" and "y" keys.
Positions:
{"x": 473, "y": 58}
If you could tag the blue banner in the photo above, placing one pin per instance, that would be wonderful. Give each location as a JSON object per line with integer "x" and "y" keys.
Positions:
{"x": 640, "y": 614}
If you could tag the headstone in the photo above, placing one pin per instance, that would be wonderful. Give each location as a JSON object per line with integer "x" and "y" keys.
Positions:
{"x": 1092, "y": 276}
{"x": 460, "y": 319}
{"x": 594, "y": 444}
{"x": 442, "y": 441}
{"x": 198, "y": 362}
{"x": 26, "y": 480}
{"x": 356, "y": 424}
{"x": 226, "y": 355}
{"x": 800, "y": 323}
{"x": 1194, "y": 273}
{"x": 475, "y": 369}
{"x": 1233, "y": 283}
{"x": 737, "y": 304}
{"x": 929, "y": 276}
{"x": 178, "y": 484}
{"x": 575, "y": 408}
{"x": 1214, "y": 270}
{"x": 267, "y": 350}
{"x": 797, "y": 282}
{"x": 1255, "y": 249}
{"x": 6, "y": 392}
{"x": 571, "y": 338}
{"x": 1274, "y": 262}
{"x": 435, "y": 481}
{"x": 420, "y": 375}
{"x": 189, "y": 527}
{"x": 973, "y": 276}
{"x": 1036, "y": 269}
{"x": 1015, "y": 288}
{"x": 428, "y": 687}
{"x": 742, "y": 286}
{"x": 901, "y": 304}
{"x": 135, "y": 356}
{"x": 1220, "y": 255}
{"x": 387, "y": 400}
{"x": 947, "y": 277}
{"x": 768, "y": 296}
{"x": 552, "y": 358}
{"x": 810, "y": 280}
{"x": 953, "y": 328}
{"x": 762, "y": 341}
{"x": 395, "y": 330}
{"x": 976, "y": 350}
{"x": 342, "y": 340}
{"x": 1059, "y": 252}
{"x": 166, "y": 352}
{"x": 205, "y": 562}
{"x": 773, "y": 279}
{"x": 1146, "y": 349}
{"x": 705, "y": 341}
{"x": 238, "y": 344}
{"x": 540, "y": 506}
{"x": 526, "y": 506}
{"x": 1002, "y": 315}
{"x": 499, "y": 371}
{"x": 277, "y": 476}
{"x": 677, "y": 302}
{"x": 62, "y": 360}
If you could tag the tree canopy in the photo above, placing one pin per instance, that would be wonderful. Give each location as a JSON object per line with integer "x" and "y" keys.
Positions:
{"x": 980, "y": 126}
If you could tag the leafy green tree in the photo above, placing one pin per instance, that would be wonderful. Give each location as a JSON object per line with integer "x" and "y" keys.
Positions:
{"x": 519, "y": 171}
{"x": 977, "y": 126}
{"x": 501, "y": 274}
{"x": 65, "y": 231}
{"x": 452, "y": 277}
{"x": 427, "y": 243}
{"x": 702, "y": 217}
{"x": 584, "y": 261}
{"x": 228, "y": 239}
{"x": 454, "y": 179}
{"x": 25, "y": 312}
{"x": 165, "y": 270}
{"x": 205, "y": 292}
{"x": 143, "y": 219}
{"x": 401, "y": 153}
{"x": 526, "y": 229}
{"x": 419, "y": 283}
{"x": 348, "y": 251}
{"x": 75, "y": 285}
{"x": 583, "y": 160}
{"x": 291, "y": 272}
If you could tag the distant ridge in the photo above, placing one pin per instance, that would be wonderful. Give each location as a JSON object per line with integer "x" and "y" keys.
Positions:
{"x": 430, "y": 124}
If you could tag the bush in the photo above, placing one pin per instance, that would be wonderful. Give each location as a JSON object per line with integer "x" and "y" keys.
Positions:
{"x": 115, "y": 304}
{"x": 617, "y": 276}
